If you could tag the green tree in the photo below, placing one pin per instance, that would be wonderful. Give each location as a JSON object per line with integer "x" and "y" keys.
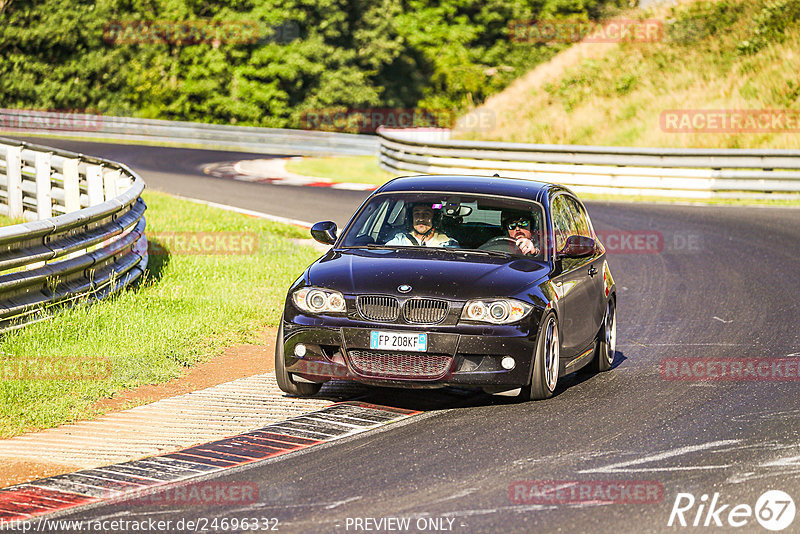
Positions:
{"x": 339, "y": 54}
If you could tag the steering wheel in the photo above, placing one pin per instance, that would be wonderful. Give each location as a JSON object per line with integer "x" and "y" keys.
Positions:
{"x": 501, "y": 244}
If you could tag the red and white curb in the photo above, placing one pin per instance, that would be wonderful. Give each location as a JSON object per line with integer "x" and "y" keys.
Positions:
{"x": 113, "y": 482}
{"x": 170, "y": 424}
{"x": 273, "y": 171}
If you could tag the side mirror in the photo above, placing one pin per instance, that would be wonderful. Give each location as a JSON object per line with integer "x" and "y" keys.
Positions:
{"x": 578, "y": 246}
{"x": 324, "y": 232}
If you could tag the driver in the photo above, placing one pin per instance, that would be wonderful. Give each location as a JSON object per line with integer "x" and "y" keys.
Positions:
{"x": 520, "y": 228}
{"x": 423, "y": 231}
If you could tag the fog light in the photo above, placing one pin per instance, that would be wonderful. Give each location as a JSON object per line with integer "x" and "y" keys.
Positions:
{"x": 300, "y": 350}
{"x": 508, "y": 363}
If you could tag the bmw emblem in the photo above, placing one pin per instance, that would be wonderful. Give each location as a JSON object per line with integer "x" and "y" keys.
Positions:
{"x": 405, "y": 288}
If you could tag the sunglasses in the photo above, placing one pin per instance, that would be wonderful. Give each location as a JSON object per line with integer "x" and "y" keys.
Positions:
{"x": 522, "y": 223}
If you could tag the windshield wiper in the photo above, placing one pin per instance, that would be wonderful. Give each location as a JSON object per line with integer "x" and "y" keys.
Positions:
{"x": 478, "y": 251}
{"x": 373, "y": 246}
{"x": 446, "y": 249}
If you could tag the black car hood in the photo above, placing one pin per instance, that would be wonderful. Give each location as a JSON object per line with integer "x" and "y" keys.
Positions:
{"x": 429, "y": 272}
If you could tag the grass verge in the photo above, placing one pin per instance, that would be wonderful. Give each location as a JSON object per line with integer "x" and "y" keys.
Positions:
{"x": 5, "y": 220}
{"x": 357, "y": 169}
{"x": 714, "y": 55}
{"x": 187, "y": 309}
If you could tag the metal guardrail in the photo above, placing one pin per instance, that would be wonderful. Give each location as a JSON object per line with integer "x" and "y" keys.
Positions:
{"x": 85, "y": 238}
{"x": 193, "y": 134}
{"x": 690, "y": 173}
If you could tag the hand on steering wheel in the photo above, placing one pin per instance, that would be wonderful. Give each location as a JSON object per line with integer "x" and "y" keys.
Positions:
{"x": 526, "y": 246}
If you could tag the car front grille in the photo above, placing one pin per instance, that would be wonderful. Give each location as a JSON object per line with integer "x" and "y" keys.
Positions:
{"x": 399, "y": 364}
{"x": 378, "y": 308}
{"x": 415, "y": 310}
{"x": 425, "y": 311}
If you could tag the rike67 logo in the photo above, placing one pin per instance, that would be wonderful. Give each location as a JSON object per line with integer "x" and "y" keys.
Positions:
{"x": 774, "y": 510}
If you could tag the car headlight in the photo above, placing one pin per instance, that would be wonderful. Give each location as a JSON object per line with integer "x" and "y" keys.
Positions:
{"x": 496, "y": 311}
{"x": 317, "y": 300}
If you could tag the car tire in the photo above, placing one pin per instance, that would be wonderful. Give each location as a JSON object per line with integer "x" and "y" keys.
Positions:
{"x": 283, "y": 378}
{"x": 544, "y": 377}
{"x": 605, "y": 347}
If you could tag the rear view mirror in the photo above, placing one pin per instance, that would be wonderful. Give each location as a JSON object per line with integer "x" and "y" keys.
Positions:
{"x": 578, "y": 246}
{"x": 453, "y": 208}
{"x": 324, "y": 232}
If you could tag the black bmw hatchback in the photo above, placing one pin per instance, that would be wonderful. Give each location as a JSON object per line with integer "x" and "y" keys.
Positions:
{"x": 492, "y": 283}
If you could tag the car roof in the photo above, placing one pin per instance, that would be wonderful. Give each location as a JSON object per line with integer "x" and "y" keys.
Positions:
{"x": 487, "y": 185}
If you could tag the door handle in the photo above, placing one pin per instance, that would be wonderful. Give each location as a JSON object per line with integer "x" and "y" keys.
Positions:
{"x": 592, "y": 271}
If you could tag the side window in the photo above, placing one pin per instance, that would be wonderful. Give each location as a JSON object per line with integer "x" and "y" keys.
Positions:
{"x": 395, "y": 213}
{"x": 563, "y": 225}
{"x": 393, "y": 222}
{"x": 373, "y": 223}
{"x": 370, "y": 213}
{"x": 580, "y": 217}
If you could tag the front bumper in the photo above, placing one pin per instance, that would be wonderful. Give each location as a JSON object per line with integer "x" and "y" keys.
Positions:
{"x": 474, "y": 353}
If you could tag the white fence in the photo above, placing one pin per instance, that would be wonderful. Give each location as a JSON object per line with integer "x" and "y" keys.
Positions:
{"x": 85, "y": 235}
{"x": 192, "y": 134}
{"x": 690, "y": 173}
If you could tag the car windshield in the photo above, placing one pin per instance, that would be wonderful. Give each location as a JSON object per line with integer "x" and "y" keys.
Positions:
{"x": 449, "y": 221}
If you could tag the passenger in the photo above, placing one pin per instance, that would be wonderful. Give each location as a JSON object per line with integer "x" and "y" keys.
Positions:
{"x": 422, "y": 230}
{"x": 520, "y": 228}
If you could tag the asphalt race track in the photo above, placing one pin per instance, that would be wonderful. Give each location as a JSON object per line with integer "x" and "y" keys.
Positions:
{"x": 721, "y": 282}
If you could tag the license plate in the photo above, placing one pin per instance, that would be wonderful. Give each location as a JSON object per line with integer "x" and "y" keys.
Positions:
{"x": 398, "y": 341}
